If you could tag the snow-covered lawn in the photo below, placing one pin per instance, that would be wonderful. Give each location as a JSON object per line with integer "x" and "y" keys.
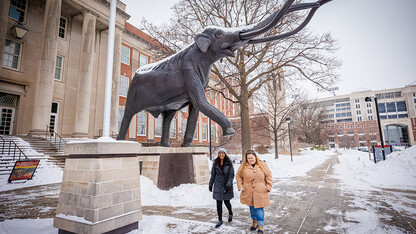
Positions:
{"x": 398, "y": 171}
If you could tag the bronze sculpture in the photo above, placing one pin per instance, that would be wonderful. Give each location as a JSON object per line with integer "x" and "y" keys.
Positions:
{"x": 180, "y": 80}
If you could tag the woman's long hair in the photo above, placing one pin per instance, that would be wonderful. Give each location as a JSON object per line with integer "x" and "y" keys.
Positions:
{"x": 227, "y": 160}
{"x": 259, "y": 162}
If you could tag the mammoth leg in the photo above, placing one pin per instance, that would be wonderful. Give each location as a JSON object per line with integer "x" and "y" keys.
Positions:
{"x": 129, "y": 112}
{"x": 167, "y": 119}
{"x": 125, "y": 123}
{"x": 199, "y": 101}
{"x": 190, "y": 126}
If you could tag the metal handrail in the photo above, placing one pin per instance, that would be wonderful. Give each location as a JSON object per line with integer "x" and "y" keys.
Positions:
{"x": 50, "y": 133}
{"x": 15, "y": 146}
{"x": 112, "y": 133}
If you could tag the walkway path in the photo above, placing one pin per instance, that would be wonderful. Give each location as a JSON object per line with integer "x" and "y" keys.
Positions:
{"x": 315, "y": 203}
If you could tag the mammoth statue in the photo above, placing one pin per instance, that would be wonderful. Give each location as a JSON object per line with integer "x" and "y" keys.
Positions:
{"x": 180, "y": 80}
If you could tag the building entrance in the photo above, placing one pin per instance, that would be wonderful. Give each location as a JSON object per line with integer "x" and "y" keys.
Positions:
{"x": 396, "y": 135}
{"x": 8, "y": 104}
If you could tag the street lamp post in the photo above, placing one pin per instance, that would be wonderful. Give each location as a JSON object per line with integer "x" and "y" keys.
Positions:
{"x": 369, "y": 99}
{"x": 210, "y": 151}
{"x": 290, "y": 141}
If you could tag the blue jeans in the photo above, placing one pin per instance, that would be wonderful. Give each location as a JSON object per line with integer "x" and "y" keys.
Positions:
{"x": 258, "y": 214}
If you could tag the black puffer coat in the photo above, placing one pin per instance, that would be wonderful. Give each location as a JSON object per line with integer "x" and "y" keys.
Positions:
{"x": 222, "y": 180}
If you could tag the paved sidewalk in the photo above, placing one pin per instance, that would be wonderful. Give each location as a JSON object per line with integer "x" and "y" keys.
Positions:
{"x": 315, "y": 203}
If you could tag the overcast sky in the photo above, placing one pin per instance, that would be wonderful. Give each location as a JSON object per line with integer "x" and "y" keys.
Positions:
{"x": 377, "y": 38}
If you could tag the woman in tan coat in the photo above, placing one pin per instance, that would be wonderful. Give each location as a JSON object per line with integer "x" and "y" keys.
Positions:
{"x": 254, "y": 180}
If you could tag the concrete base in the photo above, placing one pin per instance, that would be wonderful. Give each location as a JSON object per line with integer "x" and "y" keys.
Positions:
{"x": 170, "y": 167}
{"x": 100, "y": 190}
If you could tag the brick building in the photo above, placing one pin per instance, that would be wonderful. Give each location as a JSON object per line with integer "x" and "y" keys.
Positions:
{"x": 352, "y": 122}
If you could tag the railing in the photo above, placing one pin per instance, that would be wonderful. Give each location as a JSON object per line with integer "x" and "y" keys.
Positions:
{"x": 12, "y": 147}
{"x": 56, "y": 141}
{"x": 112, "y": 133}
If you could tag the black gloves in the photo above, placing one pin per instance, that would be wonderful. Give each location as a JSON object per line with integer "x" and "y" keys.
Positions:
{"x": 210, "y": 188}
{"x": 227, "y": 188}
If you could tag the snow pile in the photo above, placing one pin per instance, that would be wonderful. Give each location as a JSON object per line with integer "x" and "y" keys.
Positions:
{"x": 397, "y": 171}
{"x": 190, "y": 195}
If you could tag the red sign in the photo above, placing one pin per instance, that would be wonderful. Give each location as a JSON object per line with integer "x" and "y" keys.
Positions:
{"x": 23, "y": 170}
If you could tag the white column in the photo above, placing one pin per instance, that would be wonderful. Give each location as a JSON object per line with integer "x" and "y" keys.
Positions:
{"x": 45, "y": 76}
{"x": 4, "y": 17}
{"x": 116, "y": 80}
{"x": 82, "y": 110}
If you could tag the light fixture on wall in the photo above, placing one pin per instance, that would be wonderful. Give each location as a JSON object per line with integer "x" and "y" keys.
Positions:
{"x": 19, "y": 30}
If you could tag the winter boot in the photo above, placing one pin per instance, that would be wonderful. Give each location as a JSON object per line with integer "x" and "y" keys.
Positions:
{"x": 219, "y": 224}
{"x": 230, "y": 217}
{"x": 254, "y": 226}
{"x": 260, "y": 230}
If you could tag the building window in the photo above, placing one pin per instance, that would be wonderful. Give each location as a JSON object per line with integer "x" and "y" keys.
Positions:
{"x": 213, "y": 133}
{"x": 391, "y": 107}
{"x": 172, "y": 133}
{"x": 196, "y": 132}
{"x": 382, "y": 107}
{"x": 204, "y": 132}
{"x": 141, "y": 123}
{"x": 357, "y": 106}
{"x": 125, "y": 55}
{"x": 357, "y": 100}
{"x": 368, "y": 104}
{"x": 359, "y": 118}
{"x": 58, "y": 67}
{"x": 370, "y": 117}
{"x": 62, "y": 27}
{"x": 402, "y": 115}
{"x": 158, "y": 126}
{"x": 11, "y": 54}
{"x": 401, "y": 106}
{"x": 17, "y": 9}
{"x": 144, "y": 60}
{"x": 184, "y": 121}
{"x": 120, "y": 117}
{"x": 358, "y": 112}
{"x": 124, "y": 85}
{"x": 53, "y": 121}
{"x": 369, "y": 111}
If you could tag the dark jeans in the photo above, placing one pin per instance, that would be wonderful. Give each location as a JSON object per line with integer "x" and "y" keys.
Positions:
{"x": 219, "y": 208}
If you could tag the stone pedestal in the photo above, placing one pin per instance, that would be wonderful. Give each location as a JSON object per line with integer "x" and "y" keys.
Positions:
{"x": 170, "y": 167}
{"x": 100, "y": 189}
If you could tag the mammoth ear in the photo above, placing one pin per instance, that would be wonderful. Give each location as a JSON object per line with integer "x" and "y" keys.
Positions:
{"x": 203, "y": 42}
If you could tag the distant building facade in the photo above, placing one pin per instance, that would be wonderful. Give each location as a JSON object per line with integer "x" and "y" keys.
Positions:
{"x": 352, "y": 122}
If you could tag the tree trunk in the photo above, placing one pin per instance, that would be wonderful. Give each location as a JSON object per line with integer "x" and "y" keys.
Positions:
{"x": 245, "y": 122}
{"x": 276, "y": 149}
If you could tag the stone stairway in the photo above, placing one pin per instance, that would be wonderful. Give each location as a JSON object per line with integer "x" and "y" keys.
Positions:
{"x": 33, "y": 148}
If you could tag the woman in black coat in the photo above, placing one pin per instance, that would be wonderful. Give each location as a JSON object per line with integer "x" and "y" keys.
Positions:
{"x": 222, "y": 176}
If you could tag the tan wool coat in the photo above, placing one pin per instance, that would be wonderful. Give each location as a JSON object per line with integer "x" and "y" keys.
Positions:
{"x": 256, "y": 185}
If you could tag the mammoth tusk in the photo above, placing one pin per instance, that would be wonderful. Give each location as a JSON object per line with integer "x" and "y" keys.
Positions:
{"x": 288, "y": 34}
{"x": 279, "y": 15}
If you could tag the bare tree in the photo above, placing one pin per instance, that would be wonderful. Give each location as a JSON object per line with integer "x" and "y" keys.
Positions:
{"x": 307, "y": 123}
{"x": 271, "y": 102}
{"x": 302, "y": 55}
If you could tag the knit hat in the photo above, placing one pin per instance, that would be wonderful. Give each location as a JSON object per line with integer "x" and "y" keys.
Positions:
{"x": 223, "y": 150}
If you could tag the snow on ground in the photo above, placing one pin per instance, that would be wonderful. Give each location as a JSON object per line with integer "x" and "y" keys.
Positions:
{"x": 22, "y": 226}
{"x": 398, "y": 171}
{"x": 284, "y": 168}
{"x": 46, "y": 173}
{"x": 355, "y": 170}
